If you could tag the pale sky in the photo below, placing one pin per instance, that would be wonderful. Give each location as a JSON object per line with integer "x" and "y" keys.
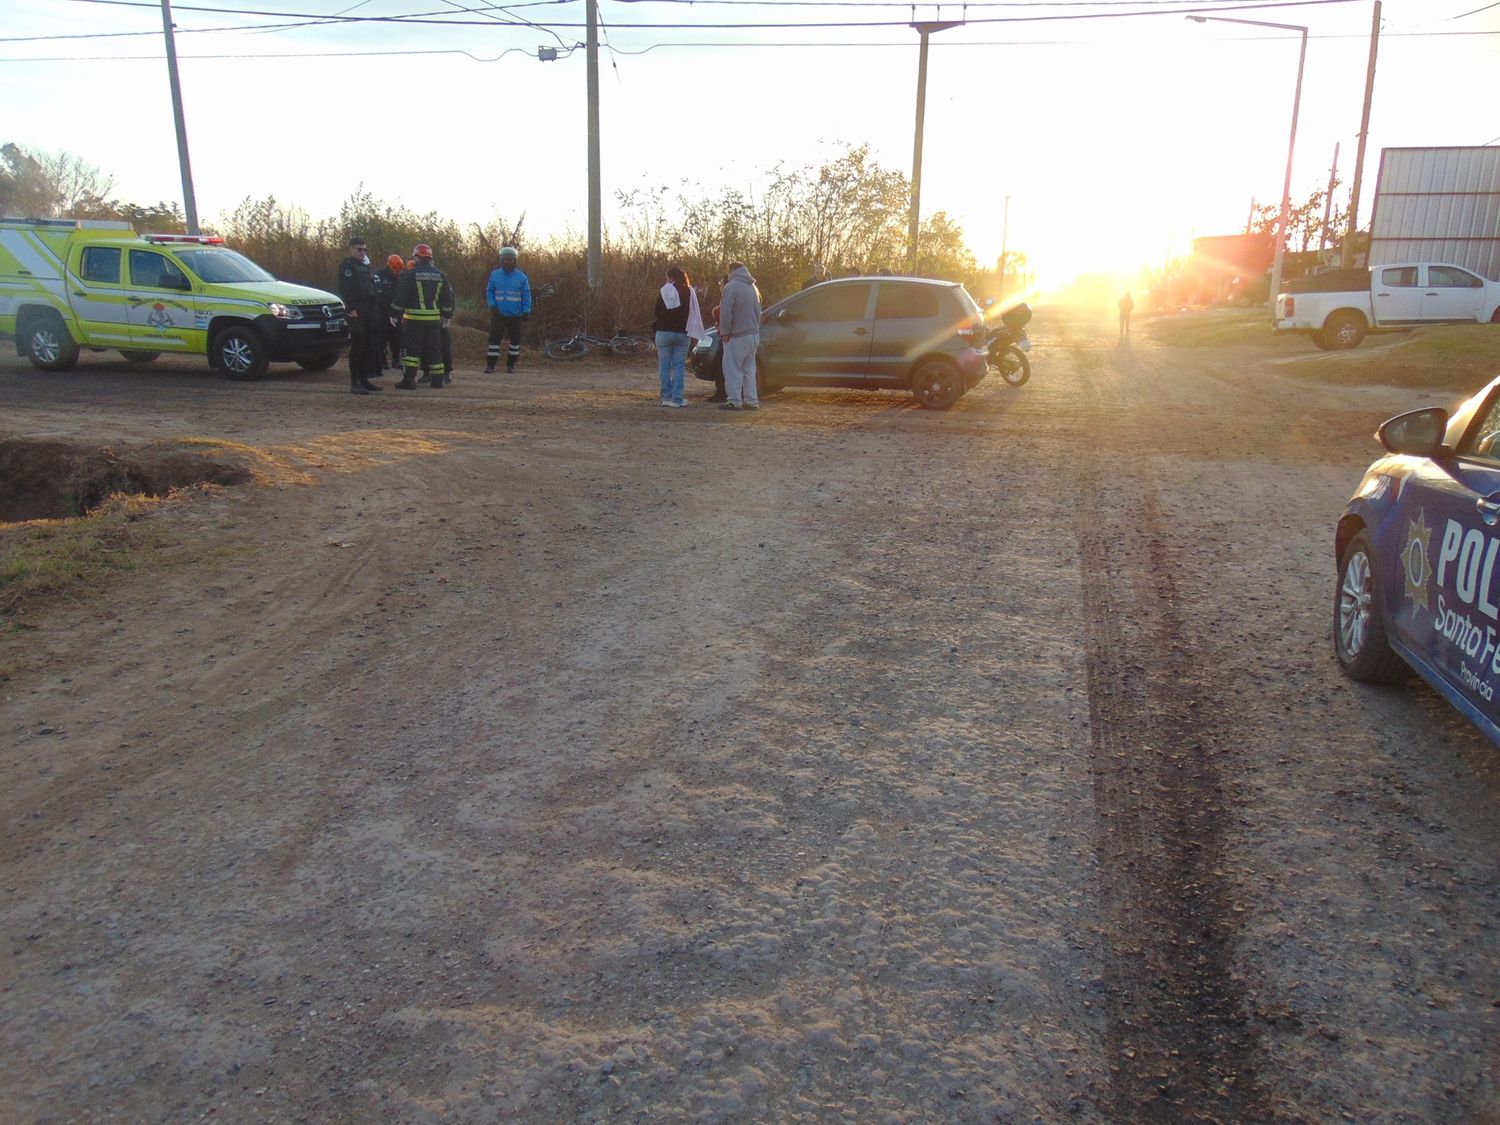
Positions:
{"x": 1117, "y": 139}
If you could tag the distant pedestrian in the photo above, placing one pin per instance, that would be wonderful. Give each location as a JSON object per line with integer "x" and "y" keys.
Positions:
{"x": 1127, "y": 306}
{"x": 424, "y": 305}
{"x": 820, "y": 274}
{"x": 508, "y": 295}
{"x": 357, "y": 291}
{"x": 739, "y": 328}
{"x": 678, "y": 324}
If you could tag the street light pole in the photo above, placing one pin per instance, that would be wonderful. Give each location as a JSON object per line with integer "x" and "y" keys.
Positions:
{"x": 1286, "y": 187}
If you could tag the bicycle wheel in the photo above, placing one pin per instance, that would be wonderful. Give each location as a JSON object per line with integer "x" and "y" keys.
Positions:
{"x": 631, "y": 345}
{"x": 565, "y": 349}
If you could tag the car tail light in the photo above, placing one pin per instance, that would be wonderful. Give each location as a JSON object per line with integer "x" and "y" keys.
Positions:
{"x": 971, "y": 329}
{"x": 1289, "y": 306}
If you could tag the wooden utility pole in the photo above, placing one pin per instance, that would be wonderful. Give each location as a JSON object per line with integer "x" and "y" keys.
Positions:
{"x": 1347, "y": 259}
{"x": 596, "y": 223}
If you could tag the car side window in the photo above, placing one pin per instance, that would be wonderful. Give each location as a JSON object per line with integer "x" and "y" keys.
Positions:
{"x": 155, "y": 271}
{"x": 1485, "y": 435}
{"x": 833, "y": 302}
{"x": 1400, "y": 277}
{"x": 101, "y": 264}
{"x": 1451, "y": 277}
{"x": 893, "y": 302}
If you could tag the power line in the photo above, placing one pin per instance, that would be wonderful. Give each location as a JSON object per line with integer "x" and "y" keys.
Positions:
{"x": 420, "y": 18}
{"x": 667, "y": 46}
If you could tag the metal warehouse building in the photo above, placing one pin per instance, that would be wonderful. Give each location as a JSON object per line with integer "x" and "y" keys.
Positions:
{"x": 1438, "y": 205}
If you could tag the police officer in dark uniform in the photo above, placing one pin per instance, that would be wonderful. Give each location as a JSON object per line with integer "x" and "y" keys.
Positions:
{"x": 357, "y": 290}
{"x": 424, "y": 305}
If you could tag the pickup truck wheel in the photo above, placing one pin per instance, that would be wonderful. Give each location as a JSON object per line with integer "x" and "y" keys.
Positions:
{"x": 139, "y": 357}
{"x": 936, "y": 384}
{"x": 1344, "y": 330}
{"x": 239, "y": 353}
{"x": 319, "y": 362}
{"x": 48, "y": 344}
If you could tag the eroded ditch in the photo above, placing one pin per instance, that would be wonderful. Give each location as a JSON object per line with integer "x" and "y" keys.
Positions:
{"x": 61, "y": 480}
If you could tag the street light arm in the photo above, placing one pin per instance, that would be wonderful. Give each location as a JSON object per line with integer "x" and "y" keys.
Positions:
{"x": 1249, "y": 23}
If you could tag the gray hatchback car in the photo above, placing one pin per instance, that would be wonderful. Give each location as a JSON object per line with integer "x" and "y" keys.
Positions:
{"x": 908, "y": 333}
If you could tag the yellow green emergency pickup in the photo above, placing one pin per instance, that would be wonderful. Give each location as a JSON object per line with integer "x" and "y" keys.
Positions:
{"x": 67, "y": 284}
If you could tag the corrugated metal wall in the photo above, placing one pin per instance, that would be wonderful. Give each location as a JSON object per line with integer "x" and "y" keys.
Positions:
{"x": 1438, "y": 205}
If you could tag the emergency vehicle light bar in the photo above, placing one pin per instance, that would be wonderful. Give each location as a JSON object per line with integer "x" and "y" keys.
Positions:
{"x": 198, "y": 239}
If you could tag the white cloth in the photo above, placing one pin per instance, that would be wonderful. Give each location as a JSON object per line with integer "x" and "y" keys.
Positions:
{"x": 673, "y": 299}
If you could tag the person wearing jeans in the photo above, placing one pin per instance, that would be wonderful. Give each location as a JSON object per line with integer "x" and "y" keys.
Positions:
{"x": 679, "y": 322}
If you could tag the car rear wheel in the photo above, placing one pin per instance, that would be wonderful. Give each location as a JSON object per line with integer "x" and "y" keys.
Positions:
{"x": 1359, "y": 636}
{"x": 239, "y": 353}
{"x": 1344, "y": 330}
{"x": 936, "y": 385}
{"x": 48, "y": 344}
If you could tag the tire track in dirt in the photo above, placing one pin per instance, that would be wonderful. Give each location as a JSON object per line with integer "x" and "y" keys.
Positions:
{"x": 1178, "y": 1043}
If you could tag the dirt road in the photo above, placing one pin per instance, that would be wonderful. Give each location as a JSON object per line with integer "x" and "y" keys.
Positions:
{"x": 525, "y": 751}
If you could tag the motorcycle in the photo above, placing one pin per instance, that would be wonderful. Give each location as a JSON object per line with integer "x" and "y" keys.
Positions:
{"x": 1008, "y": 344}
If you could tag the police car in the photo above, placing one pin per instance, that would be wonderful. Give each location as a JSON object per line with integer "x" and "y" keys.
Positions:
{"x": 1418, "y": 551}
{"x": 67, "y": 284}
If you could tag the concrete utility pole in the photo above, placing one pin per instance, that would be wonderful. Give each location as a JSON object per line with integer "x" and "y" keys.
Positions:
{"x": 1347, "y": 259}
{"x": 189, "y": 202}
{"x": 1333, "y": 176}
{"x": 1004, "y": 246}
{"x": 591, "y": 44}
{"x": 914, "y": 225}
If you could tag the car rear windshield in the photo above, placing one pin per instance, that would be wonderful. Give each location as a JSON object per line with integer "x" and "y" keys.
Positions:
{"x": 222, "y": 267}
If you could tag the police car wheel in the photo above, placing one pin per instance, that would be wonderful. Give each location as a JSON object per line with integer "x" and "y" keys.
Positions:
{"x": 1359, "y": 637}
{"x": 48, "y": 344}
{"x": 239, "y": 353}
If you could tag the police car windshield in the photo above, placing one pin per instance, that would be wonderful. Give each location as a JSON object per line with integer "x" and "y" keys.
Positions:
{"x": 219, "y": 267}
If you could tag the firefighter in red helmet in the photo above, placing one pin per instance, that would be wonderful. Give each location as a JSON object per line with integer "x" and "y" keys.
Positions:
{"x": 424, "y": 305}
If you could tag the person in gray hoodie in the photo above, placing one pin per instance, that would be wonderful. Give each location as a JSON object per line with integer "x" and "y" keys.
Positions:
{"x": 739, "y": 328}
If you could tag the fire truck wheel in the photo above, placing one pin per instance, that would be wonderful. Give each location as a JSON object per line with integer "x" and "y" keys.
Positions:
{"x": 239, "y": 353}
{"x": 47, "y": 342}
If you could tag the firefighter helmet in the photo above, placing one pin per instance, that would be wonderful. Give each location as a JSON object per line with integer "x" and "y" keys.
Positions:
{"x": 421, "y": 250}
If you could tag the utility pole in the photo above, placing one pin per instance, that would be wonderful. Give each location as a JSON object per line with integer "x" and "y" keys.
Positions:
{"x": 1364, "y": 131}
{"x": 1250, "y": 218}
{"x": 1333, "y": 176}
{"x": 914, "y": 224}
{"x": 189, "y": 202}
{"x": 591, "y": 45}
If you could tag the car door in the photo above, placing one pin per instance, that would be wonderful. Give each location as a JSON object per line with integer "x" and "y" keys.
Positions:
{"x": 1451, "y": 294}
{"x": 821, "y": 333}
{"x": 1441, "y": 586}
{"x": 906, "y": 315}
{"x": 163, "y": 315}
{"x": 98, "y": 296}
{"x": 1397, "y": 294}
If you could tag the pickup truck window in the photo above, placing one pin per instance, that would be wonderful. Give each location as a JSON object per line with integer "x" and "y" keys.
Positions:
{"x": 156, "y": 271}
{"x": 101, "y": 264}
{"x": 1400, "y": 277}
{"x": 1451, "y": 277}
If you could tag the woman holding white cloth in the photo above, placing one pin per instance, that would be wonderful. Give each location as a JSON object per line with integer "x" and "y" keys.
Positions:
{"x": 679, "y": 323}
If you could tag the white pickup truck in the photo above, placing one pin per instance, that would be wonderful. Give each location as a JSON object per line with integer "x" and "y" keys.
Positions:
{"x": 1339, "y": 308}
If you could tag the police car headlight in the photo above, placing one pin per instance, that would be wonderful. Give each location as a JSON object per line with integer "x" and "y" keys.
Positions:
{"x": 285, "y": 312}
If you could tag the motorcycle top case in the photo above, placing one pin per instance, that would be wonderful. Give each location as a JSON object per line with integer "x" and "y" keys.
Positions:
{"x": 1017, "y": 318}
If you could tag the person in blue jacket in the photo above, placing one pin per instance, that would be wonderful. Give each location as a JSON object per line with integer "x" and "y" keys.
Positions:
{"x": 508, "y": 295}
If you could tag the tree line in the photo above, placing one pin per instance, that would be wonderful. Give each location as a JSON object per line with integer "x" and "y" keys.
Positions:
{"x": 849, "y": 214}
